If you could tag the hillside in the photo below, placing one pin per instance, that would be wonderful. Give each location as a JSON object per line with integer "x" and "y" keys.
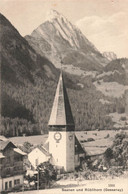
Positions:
{"x": 113, "y": 77}
{"x": 28, "y": 87}
{"x": 22, "y": 69}
{"x": 113, "y": 83}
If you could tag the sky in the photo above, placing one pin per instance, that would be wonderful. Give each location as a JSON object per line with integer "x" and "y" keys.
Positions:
{"x": 103, "y": 22}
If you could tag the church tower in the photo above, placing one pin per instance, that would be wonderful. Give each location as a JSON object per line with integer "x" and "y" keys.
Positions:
{"x": 61, "y": 130}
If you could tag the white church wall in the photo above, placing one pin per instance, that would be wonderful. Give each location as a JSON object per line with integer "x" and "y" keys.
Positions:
{"x": 70, "y": 151}
{"x": 58, "y": 148}
{"x": 62, "y": 149}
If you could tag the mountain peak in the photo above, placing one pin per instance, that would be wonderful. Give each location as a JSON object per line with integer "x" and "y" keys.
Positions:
{"x": 53, "y": 14}
{"x": 110, "y": 55}
{"x": 63, "y": 42}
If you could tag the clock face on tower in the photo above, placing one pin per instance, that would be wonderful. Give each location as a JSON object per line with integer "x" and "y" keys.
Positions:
{"x": 57, "y": 137}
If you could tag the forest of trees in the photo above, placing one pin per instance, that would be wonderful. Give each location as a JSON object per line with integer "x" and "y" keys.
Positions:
{"x": 28, "y": 110}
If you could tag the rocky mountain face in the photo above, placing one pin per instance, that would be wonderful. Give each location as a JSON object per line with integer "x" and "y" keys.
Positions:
{"x": 19, "y": 60}
{"x": 29, "y": 81}
{"x": 110, "y": 55}
{"x": 64, "y": 43}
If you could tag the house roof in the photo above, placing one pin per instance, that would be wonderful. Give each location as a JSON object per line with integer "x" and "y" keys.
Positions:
{"x": 46, "y": 146}
{"x": 61, "y": 114}
{"x": 1, "y": 155}
{"x": 93, "y": 151}
{"x": 78, "y": 147}
{"x": 43, "y": 150}
{"x": 2, "y": 138}
{"x": 20, "y": 151}
{"x": 4, "y": 144}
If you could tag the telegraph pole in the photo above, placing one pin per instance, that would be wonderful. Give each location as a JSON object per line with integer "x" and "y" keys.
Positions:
{"x": 38, "y": 181}
{"x": 0, "y": 87}
{"x": 37, "y": 162}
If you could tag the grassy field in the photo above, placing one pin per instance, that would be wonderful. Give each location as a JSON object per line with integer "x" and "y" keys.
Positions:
{"x": 35, "y": 140}
{"x": 102, "y": 140}
{"x": 98, "y": 136}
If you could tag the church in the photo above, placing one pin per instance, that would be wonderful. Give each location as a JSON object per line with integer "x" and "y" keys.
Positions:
{"x": 64, "y": 147}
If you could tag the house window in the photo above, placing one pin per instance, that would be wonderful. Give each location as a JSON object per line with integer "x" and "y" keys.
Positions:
{"x": 8, "y": 171}
{"x": 6, "y": 185}
{"x": 36, "y": 162}
{"x": 10, "y": 184}
{"x": 14, "y": 182}
{"x": 17, "y": 182}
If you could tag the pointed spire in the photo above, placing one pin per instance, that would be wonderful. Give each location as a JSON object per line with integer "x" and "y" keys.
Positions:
{"x": 61, "y": 114}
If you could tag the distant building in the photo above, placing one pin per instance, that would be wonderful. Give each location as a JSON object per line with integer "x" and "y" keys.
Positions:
{"x": 11, "y": 165}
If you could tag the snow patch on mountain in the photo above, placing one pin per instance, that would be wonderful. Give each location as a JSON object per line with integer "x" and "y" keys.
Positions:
{"x": 110, "y": 55}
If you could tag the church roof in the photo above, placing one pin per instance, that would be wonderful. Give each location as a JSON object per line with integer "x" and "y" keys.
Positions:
{"x": 61, "y": 114}
{"x": 78, "y": 147}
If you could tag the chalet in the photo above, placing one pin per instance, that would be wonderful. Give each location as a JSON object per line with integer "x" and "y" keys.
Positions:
{"x": 11, "y": 165}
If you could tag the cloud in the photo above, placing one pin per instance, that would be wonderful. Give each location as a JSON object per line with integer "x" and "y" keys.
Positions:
{"x": 107, "y": 33}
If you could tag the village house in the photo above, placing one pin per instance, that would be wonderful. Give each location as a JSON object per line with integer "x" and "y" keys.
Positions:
{"x": 11, "y": 165}
{"x": 37, "y": 156}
